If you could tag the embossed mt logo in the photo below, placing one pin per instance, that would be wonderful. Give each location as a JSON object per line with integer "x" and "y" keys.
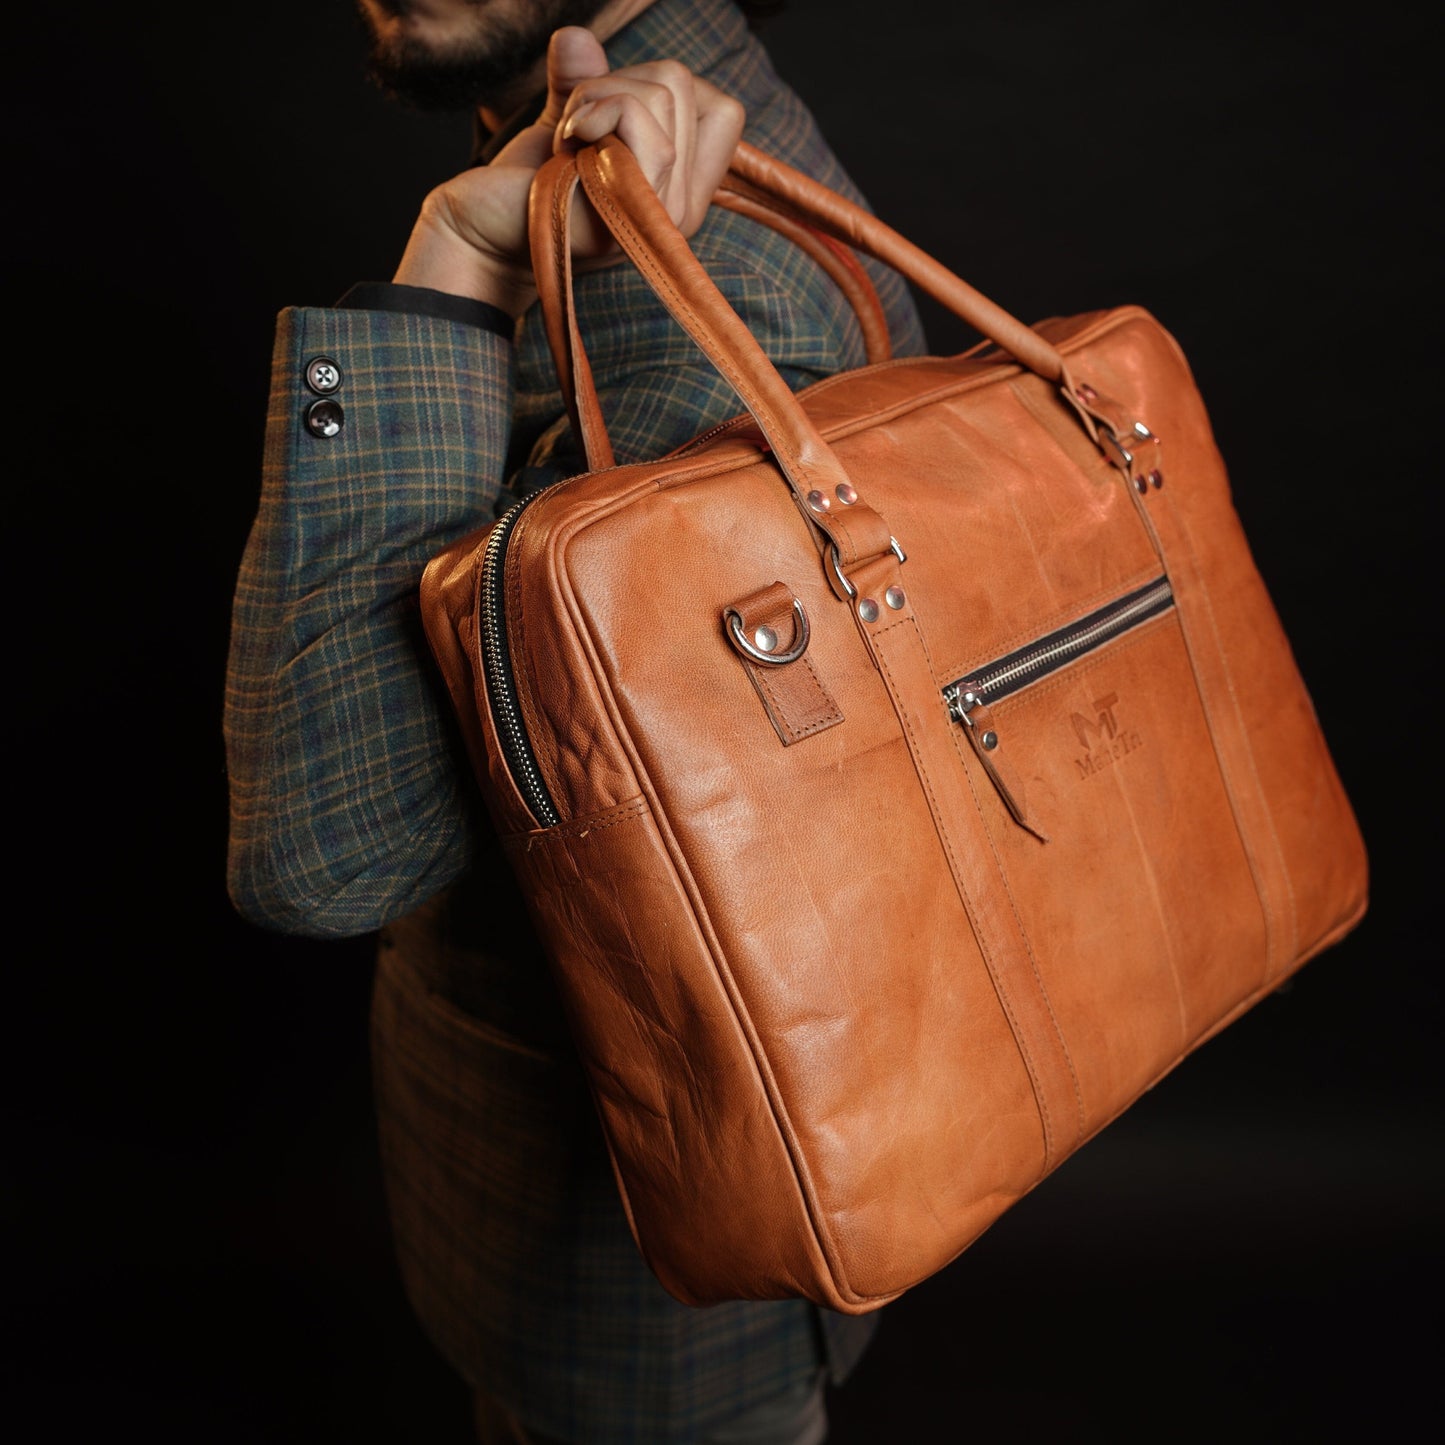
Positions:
{"x": 1101, "y": 737}
{"x": 1105, "y": 729}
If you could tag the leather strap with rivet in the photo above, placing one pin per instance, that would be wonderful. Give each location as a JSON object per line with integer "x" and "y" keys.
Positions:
{"x": 900, "y": 652}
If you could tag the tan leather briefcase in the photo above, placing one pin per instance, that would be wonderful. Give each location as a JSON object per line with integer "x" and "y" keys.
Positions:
{"x": 903, "y": 778}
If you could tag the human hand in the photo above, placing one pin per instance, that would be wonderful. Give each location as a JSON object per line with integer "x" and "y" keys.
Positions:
{"x": 471, "y": 236}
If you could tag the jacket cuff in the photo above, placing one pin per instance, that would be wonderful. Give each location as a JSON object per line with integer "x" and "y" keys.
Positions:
{"x": 423, "y": 301}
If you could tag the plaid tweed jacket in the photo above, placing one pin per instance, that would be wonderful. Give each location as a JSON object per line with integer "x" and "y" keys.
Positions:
{"x": 353, "y": 809}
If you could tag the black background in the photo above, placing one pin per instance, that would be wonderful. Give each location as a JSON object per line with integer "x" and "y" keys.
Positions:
{"x": 200, "y": 1246}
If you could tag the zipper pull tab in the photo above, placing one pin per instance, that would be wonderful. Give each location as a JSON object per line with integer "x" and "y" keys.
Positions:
{"x": 968, "y": 708}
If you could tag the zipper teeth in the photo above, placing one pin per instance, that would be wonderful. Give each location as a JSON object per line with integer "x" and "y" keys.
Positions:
{"x": 713, "y": 431}
{"x": 997, "y": 679}
{"x": 501, "y": 689}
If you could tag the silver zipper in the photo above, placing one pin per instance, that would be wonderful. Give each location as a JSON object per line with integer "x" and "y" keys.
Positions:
{"x": 1008, "y": 674}
{"x": 497, "y": 668}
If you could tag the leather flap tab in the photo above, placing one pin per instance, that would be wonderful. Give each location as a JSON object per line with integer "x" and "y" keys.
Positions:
{"x": 769, "y": 631}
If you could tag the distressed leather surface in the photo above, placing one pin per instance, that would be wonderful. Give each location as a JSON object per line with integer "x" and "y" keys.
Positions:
{"x": 837, "y": 1007}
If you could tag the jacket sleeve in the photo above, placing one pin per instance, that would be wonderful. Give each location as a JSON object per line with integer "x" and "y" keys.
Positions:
{"x": 352, "y": 800}
{"x": 349, "y": 789}
{"x": 655, "y": 388}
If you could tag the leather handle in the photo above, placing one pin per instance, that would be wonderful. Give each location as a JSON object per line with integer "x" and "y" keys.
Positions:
{"x": 549, "y": 229}
{"x": 839, "y": 217}
{"x": 791, "y": 192}
{"x": 810, "y": 213}
{"x": 637, "y": 220}
{"x": 549, "y": 208}
{"x": 835, "y": 257}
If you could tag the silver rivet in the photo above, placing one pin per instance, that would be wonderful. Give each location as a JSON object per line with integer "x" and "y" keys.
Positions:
{"x": 894, "y": 598}
{"x": 818, "y": 502}
{"x": 868, "y": 610}
{"x": 765, "y": 639}
{"x": 989, "y": 741}
{"x": 1142, "y": 432}
{"x": 846, "y": 494}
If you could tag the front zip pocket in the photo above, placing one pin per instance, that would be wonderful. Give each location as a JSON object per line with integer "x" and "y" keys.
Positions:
{"x": 968, "y": 698}
{"x": 971, "y": 698}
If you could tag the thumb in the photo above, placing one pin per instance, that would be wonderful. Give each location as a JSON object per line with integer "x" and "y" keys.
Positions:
{"x": 574, "y": 54}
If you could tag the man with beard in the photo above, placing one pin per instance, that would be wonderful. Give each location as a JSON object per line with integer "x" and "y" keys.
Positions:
{"x": 406, "y": 415}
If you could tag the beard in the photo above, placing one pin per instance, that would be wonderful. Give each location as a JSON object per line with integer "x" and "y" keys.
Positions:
{"x": 502, "y": 44}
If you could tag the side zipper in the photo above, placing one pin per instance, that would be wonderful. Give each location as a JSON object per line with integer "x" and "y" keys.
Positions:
{"x": 496, "y": 660}
{"x": 969, "y": 698}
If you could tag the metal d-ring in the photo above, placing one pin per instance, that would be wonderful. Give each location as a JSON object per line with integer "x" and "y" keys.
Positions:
{"x": 836, "y": 562}
{"x": 773, "y": 659}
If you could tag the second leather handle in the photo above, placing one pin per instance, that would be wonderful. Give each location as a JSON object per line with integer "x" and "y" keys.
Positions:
{"x": 837, "y": 216}
{"x": 789, "y": 194}
{"x": 779, "y": 194}
{"x": 549, "y": 228}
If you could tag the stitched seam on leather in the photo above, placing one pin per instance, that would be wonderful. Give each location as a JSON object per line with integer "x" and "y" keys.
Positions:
{"x": 957, "y": 741}
{"x": 999, "y": 370}
{"x": 838, "y": 430}
{"x": 645, "y": 262}
{"x": 1070, "y": 677}
{"x": 835, "y": 713}
{"x": 822, "y": 1238}
{"x": 581, "y": 827}
{"x": 572, "y": 335}
{"x": 852, "y": 281}
{"x": 953, "y": 733}
{"x": 755, "y": 1050}
{"x": 593, "y": 438}
{"x": 559, "y": 244}
{"x": 1226, "y": 766}
{"x": 1023, "y": 934}
{"x": 780, "y": 711}
{"x": 1263, "y": 803}
{"x": 791, "y": 1147}
{"x": 978, "y": 933}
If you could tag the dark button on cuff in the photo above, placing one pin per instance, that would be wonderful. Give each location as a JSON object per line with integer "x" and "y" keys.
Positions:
{"x": 323, "y": 375}
{"x": 324, "y": 418}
